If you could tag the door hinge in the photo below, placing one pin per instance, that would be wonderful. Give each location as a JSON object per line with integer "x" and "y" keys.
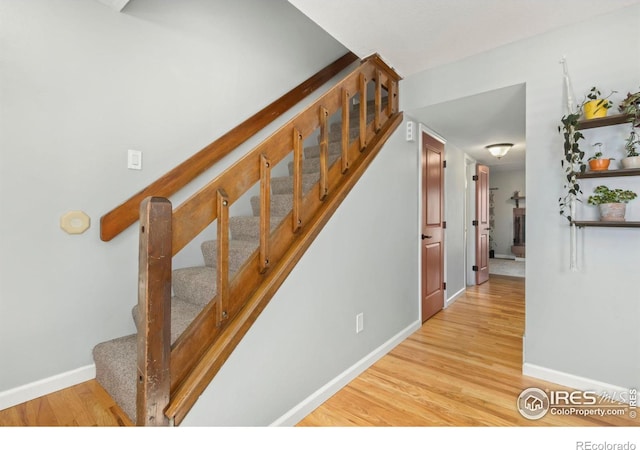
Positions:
{"x": 444, "y": 164}
{"x": 474, "y": 178}
{"x": 444, "y": 286}
{"x": 444, "y": 225}
{"x": 474, "y": 268}
{"x": 474, "y": 223}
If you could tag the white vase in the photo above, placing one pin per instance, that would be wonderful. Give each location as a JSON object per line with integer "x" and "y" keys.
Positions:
{"x": 630, "y": 162}
{"x": 612, "y": 212}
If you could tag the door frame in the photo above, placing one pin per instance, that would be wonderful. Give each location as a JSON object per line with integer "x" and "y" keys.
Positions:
{"x": 422, "y": 128}
{"x": 469, "y": 216}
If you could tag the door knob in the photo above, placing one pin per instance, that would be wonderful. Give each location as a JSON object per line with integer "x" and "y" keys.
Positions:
{"x": 426, "y": 237}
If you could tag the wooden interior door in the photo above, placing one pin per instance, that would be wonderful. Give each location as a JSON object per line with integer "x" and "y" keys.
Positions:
{"x": 432, "y": 226}
{"x": 482, "y": 224}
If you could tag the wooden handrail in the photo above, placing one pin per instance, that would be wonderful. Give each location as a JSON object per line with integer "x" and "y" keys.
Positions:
{"x": 197, "y": 212}
{"x": 207, "y": 342}
{"x": 120, "y": 218}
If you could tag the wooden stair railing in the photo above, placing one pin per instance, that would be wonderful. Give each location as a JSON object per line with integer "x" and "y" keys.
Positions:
{"x": 121, "y": 217}
{"x": 173, "y": 384}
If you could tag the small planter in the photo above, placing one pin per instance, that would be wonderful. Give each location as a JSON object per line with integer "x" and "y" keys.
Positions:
{"x": 630, "y": 162}
{"x": 595, "y": 108}
{"x": 599, "y": 164}
{"x": 612, "y": 212}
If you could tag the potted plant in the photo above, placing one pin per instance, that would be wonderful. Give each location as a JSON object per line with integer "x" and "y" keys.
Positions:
{"x": 595, "y": 105}
{"x": 631, "y": 105}
{"x": 597, "y": 162}
{"x": 611, "y": 202}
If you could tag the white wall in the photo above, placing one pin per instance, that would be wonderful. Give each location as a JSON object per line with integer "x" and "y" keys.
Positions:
{"x": 575, "y": 323}
{"x": 506, "y": 182}
{"x": 80, "y": 84}
{"x": 455, "y": 215}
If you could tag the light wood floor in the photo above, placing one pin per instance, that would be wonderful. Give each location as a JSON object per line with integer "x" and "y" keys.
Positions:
{"x": 462, "y": 368}
{"x": 86, "y": 404}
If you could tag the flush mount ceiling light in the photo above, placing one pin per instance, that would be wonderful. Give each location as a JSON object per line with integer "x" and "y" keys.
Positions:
{"x": 499, "y": 150}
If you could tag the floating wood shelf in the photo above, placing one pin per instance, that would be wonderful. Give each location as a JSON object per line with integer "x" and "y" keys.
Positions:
{"x": 596, "y": 223}
{"x": 616, "y": 119}
{"x": 609, "y": 173}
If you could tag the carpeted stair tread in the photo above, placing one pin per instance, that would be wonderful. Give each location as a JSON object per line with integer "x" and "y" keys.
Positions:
{"x": 284, "y": 185}
{"x": 281, "y": 205}
{"x": 116, "y": 362}
{"x": 246, "y": 228}
{"x": 313, "y": 151}
{"x": 335, "y": 133}
{"x": 239, "y": 250}
{"x": 195, "y": 284}
{"x": 312, "y": 165}
{"x": 182, "y": 314}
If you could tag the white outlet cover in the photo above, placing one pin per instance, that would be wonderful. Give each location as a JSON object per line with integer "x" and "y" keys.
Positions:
{"x": 410, "y": 131}
{"x": 359, "y": 322}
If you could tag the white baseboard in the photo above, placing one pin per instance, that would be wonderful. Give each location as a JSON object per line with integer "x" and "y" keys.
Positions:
{"x": 570, "y": 380}
{"x": 46, "y": 386}
{"x": 448, "y": 302}
{"x": 305, "y": 407}
{"x": 501, "y": 256}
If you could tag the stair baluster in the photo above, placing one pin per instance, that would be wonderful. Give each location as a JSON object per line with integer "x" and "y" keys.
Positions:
{"x": 297, "y": 180}
{"x": 265, "y": 212}
{"x": 324, "y": 153}
{"x": 222, "y": 304}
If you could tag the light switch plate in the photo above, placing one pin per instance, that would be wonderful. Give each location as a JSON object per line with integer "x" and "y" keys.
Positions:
{"x": 134, "y": 159}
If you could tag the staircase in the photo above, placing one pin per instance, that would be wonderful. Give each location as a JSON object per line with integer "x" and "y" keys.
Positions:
{"x": 194, "y": 287}
{"x": 212, "y": 304}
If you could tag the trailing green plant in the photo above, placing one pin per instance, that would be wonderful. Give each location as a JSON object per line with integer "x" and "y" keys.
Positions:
{"x": 631, "y": 105}
{"x": 573, "y": 160}
{"x": 602, "y": 194}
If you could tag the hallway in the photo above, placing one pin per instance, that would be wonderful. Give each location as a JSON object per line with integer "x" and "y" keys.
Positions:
{"x": 462, "y": 368}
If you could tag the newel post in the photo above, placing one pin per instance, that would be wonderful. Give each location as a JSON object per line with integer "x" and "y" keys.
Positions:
{"x": 154, "y": 308}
